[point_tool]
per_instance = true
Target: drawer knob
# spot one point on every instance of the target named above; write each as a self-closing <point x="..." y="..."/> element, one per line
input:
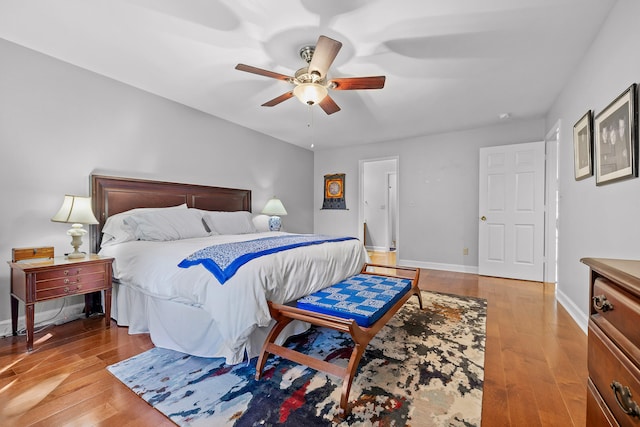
<point x="600" y="303"/>
<point x="623" y="397"/>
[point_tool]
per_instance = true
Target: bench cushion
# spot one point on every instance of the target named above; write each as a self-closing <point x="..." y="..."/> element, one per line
<point x="363" y="298"/>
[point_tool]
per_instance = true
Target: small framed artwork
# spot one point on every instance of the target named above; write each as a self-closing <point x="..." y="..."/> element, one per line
<point x="583" y="146"/>
<point x="616" y="139"/>
<point x="334" y="192"/>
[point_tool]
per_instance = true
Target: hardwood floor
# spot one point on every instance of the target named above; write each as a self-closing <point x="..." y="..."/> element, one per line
<point x="535" y="364"/>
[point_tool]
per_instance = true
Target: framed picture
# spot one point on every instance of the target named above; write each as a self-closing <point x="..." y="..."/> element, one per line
<point x="583" y="146"/>
<point x="334" y="192"/>
<point x="616" y="139"/>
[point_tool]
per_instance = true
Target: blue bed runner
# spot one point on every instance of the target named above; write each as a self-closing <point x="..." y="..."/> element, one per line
<point x="363" y="298"/>
<point x="225" y="259"/>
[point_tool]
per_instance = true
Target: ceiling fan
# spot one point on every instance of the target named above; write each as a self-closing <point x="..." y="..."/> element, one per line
<point x="311" y="82"/>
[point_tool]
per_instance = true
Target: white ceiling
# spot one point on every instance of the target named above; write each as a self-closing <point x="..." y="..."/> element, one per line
<point x="450" y="64"/>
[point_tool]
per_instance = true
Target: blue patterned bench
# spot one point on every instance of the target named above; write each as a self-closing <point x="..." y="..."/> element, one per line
<point x="360" y="306"/>
<point x="363" y="298"/>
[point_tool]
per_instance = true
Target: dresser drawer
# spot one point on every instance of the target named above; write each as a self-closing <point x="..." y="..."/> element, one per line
<point x="597" y="412"/>
<point x="608" y="366"/>
<point x="618" y="315"/>
<point x="68" y="271"/>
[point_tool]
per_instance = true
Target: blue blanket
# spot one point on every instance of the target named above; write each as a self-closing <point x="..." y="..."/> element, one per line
<point x="225" y="259"/>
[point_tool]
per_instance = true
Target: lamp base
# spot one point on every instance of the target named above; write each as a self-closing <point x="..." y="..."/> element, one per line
<point x="76" y="254"/>
<point x="275" y="223"/>
<point x="76" y="232"/>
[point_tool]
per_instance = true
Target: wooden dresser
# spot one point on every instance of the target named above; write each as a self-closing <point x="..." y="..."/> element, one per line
<point x="614" y="343"/>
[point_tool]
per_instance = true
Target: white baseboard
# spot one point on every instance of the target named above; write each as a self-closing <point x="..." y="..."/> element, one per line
<point x="438" y="266"/>
<point x="377" y="248"/>
<point x="574" y="311"/>
<point x="581" y="319"/>
<point x="68" y="313"/>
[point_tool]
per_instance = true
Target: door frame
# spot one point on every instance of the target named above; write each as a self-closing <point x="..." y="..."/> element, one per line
<point x="552" y="141"/>
<point x="392" y="231"/>
<point x="361" y="166"/>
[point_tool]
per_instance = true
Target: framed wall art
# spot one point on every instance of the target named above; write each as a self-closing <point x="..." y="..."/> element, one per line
<point x="334" y="192"/>
<point x="583" y="146"/>
<point x="616" y="139"/>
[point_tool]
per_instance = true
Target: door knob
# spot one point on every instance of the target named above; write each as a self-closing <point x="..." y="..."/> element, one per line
<point x="483" y="218"/>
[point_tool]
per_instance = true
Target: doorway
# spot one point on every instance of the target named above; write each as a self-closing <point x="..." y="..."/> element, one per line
<point x="378" y="210"/>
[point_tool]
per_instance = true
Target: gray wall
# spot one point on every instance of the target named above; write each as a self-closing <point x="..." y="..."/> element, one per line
<point x="59" y="123"/>
<point x="437" y="191"/>
<point x="596" y="221"/>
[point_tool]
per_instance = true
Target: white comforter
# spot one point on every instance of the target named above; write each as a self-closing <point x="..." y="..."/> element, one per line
<point x="238" y="306"/>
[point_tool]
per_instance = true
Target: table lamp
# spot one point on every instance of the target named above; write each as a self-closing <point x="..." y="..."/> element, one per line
<point x="275" y="209"/>
<point x="76" y="210"/>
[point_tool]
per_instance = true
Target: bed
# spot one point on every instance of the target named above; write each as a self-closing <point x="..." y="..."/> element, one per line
<point x="190" y="309"/>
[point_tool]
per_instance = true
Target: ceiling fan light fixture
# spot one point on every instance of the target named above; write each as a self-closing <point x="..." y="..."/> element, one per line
<point x="310" y="93"/>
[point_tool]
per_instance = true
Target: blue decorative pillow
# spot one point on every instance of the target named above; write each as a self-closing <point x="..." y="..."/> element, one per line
<point x="363" y="298"/>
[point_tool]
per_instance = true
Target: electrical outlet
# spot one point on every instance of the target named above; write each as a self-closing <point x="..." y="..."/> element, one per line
<point x="465" y="251"/>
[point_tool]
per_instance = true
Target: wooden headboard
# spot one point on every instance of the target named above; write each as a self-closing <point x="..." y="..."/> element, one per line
<point x="111" y="195"/>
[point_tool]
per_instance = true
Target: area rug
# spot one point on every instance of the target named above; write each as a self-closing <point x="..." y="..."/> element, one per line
<point x="424" y="368"/>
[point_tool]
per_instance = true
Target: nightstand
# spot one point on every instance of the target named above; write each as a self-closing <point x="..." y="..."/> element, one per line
<point x="43" y="280"/>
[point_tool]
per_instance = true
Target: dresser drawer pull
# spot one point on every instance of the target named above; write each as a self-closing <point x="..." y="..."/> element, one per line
<point x="600" y="303"/>
<point x="623" y="397"/>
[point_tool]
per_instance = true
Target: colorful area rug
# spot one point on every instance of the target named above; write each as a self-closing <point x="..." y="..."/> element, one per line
<point x="422" y="369"/>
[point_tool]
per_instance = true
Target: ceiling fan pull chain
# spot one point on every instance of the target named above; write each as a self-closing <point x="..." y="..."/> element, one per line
<point x="310" y="126"/>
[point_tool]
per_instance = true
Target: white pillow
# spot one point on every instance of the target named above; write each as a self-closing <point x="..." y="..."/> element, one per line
<point x="239" y="222"/>
<point x="116" y="231"/>
<point x="261" y="222"/>
<point x="170" y="224"/>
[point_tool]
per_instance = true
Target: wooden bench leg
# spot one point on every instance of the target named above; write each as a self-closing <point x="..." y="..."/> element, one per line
<point x="347" y="380"/>
<point x="281" y="323"/>
<point x="419" y="295"/>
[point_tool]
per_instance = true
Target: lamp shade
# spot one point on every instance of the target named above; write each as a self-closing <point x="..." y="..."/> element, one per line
<point x="274" y="207"/>
<point x="75" y="210"/>
<point x="310" y="93"/>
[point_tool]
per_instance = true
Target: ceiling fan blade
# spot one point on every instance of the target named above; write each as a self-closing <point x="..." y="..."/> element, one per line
<point x="261" y="72"/>
<point x="278" y="100"/>
<point x="354" y="83"/>
<point x="329" y="105"/>
<point x="325" y="52"/>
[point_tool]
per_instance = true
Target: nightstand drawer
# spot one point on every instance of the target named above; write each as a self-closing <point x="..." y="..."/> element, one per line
<point x="42" y="285"/>
<point x="72" y="288"/>
<point x="69" y="271"/>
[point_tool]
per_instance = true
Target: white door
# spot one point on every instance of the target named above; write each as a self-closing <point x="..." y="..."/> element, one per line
<point x="511" y="211"/>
